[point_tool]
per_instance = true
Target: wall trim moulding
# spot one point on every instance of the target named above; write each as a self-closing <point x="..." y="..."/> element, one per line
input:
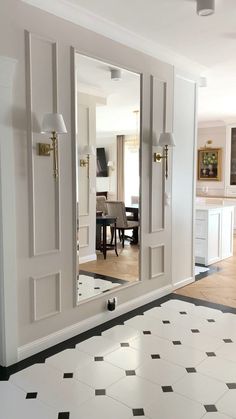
<point x="56" y="276"/>
<point x="29" y="109"/>
<point x="83" y="17"/>
<point x="88" y="258"/>
<point x="44" y="343"/>
<point x="86" y="243"/>
<point x="157" y="178"/>
<point x="161" y="272"/>
<point x="183" y="283"/>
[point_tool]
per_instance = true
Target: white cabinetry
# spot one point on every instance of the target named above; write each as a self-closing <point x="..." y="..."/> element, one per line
<point x="213" y="233"/>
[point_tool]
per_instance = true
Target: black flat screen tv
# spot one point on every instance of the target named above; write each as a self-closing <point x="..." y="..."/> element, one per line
<point x="101" y="163"/>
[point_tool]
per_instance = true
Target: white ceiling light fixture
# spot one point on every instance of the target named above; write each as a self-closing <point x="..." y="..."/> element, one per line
<point x="115" y="74"/>
<point x="205" y="7"/>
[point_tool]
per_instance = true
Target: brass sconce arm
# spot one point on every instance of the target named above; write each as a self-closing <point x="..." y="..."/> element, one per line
<point x="45" y="150"/>
<point x="158" y="158"/>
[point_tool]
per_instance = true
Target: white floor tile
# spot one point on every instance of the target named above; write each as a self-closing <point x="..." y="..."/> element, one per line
<point x="184" y="356"/>
<point x="102" y="407"/>
<point x="218" y="368"/>
<point x="69" y="360"/>
<point x="52" y="388"/>
<point x="97" y="346"/>
<point x="151" y="344"/>
<point x="144" y="323"/>
<point x="200" y="388"/>
<point x="202" y="341"/>
<point x="134" y="392"/>
<point x="207" y="312"/>
<point x="227" y="404"/>
<point x="179" y="305"/>
<point x="14" y="405"/>
<point x="121" y="333"/>
<point x="161" y="372"/>
<point x="227" y="351"/>
<point x="126" y="358"/>
<point x="99" y="375"/>
<point x="174" y="406"/>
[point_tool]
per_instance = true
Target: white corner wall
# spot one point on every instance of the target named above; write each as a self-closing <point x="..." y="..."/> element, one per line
<point x="183" y="180"/>
<point x="8" y="260"/>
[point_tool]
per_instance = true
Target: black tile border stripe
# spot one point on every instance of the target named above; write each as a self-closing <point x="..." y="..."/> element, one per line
<point x="5" y="372"/>
<point x="106" y="278"/>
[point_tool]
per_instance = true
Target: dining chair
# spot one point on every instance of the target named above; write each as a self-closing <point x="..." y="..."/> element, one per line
<point x="117" y="209"/>
<point x="101" y="205"/>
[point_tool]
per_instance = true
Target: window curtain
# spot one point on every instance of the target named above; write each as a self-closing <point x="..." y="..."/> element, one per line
<point x="120" y="139"/>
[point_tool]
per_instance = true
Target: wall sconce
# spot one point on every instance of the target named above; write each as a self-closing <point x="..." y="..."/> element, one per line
<point x="166" y="140"/>
<point x="88" y="151"/>
<point x="53" y="123"/>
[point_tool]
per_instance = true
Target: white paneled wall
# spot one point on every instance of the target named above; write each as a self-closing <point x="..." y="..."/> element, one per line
<point x="183" y="180"/>
<point x="8" y="265"/>
<point x="44" y="254"/>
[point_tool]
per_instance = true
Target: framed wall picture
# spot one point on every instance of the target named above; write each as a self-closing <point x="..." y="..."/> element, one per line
<point x="209" y="164"/>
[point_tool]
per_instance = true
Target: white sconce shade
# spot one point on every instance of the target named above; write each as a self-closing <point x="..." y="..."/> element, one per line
<point x="53" y="122"/>
<point x="110" y="163"/>
<point x="166" y="139"/>
<point x="205" y="7"/>
<point x="89" y="150"/>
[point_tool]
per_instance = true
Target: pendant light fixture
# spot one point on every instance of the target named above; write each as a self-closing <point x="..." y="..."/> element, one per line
<point x="205" y="7"/>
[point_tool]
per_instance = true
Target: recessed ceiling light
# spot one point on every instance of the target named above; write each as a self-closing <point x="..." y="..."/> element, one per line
<point x="115" y="74"/>
<point x="205" y="7"/>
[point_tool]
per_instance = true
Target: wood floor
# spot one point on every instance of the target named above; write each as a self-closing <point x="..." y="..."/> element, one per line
<point x="125" y="266"/>
<point x="219" y="287"/>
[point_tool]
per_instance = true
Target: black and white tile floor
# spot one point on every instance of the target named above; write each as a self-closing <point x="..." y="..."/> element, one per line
<point x="89" y="286"/>
<point x="176" y="361"/>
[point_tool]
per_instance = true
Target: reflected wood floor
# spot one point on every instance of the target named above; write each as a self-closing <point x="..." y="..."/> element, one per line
<point x="219" y="287"/>
<point x="125" y="266"/>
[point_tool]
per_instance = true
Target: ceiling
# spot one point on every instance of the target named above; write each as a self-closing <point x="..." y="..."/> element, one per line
<point x="171" y="28"/>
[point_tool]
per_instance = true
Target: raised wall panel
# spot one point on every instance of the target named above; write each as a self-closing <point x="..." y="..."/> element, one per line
<point x="44" y="200"/>
<point x="83" y="236"/>
<point x="158" y="116"/>
<point x="83" y="126"/>
<point x="157" y="257"/>
<point x="46" y="296"/>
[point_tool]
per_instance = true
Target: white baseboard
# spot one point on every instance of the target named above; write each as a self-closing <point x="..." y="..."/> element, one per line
<point x="89" y="258"/>
<point x="61" y="335"/>
<point x="183" y="283"/>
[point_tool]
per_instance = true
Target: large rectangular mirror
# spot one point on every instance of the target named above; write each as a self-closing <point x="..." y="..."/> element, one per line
<point x="108" y="176"/>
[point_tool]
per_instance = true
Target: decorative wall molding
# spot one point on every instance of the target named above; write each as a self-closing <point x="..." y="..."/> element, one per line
<point x="158" y="125"/>
<point x="83" y="17"/>
<point x="86" y="242"/>
<point x="56" y="276"/>
<point x="157" y="260"/>
<point x="47" y="341"/>
<point x="29" y="39"/>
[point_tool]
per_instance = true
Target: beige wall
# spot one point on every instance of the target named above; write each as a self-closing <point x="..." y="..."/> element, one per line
<point x="53" y="273"/>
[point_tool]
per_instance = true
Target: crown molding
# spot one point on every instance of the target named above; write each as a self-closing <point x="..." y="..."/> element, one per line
<point x="82" y="17"/>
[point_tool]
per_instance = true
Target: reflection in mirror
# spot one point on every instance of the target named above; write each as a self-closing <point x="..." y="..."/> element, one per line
<point x="108" y="173"/>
